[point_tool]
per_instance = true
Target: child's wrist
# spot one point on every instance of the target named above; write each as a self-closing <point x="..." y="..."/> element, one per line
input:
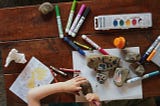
<point x="63" y="86"/>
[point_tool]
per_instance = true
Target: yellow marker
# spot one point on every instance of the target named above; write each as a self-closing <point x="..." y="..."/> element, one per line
<point x="153" y="52"/>
<point x="82" y="45"/>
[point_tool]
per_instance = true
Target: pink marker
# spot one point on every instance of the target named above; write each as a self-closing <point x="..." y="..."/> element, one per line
<point x="77" y="19"/>
<point x="94" y="45"/>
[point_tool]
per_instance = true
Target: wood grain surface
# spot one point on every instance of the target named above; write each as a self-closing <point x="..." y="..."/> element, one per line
<point x="25" y="29"/>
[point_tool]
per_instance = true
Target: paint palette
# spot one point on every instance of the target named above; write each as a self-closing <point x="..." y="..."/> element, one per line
<point x="123" y="21"/>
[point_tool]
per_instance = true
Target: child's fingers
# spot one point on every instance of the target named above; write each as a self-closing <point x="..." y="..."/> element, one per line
<point x="80" y="78"/>
<point x="81" y="81"/>
<point x="78" y="88"/>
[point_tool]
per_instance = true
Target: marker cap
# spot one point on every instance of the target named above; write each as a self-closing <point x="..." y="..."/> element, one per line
<point x="82" y="9"/>
<point x="86" y="11"/>
<point x="73" y="34"/>
<point x="73" y="5"/>
<point x="57" y="10"/>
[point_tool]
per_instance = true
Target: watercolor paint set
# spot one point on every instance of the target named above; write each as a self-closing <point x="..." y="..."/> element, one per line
<point x="123" y="21"/>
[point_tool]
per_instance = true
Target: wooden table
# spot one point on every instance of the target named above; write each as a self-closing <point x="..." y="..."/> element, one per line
<point x="25" y="29"/>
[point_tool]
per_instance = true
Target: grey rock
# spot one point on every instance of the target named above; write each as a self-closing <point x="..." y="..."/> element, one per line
<point x="120" y="75"/>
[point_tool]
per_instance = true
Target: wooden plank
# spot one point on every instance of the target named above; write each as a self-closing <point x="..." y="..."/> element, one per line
<point x="26" y="30"/>
<point x="54" y="51"/>
<point x="27" y="22"/>
<point x="15" y="100"/>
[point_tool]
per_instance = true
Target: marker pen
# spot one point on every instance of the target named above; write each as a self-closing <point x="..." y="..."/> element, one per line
<point x="74" y="46"/>
<point x="153" y="52"/>
<point x="58" y="71"/>
<point x="150" y="49"/>
<point x="94" y="44"/>
<point x="59" y="23"/>
<point x="82" y="45"/>
<point x="77" y="19"/>
<point x="143" y="77"/>
<point x="151" y="74"/>
<point x="71" y="14"/>
<point x="76" y="29"/>
<point x="133" y="79"/>
<point x="69" y="70"/>
<point x="54" y="76"/>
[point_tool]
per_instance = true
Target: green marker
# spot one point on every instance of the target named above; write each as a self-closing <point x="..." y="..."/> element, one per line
<point x="71" y="14"/>
<point x="59" y="23"/>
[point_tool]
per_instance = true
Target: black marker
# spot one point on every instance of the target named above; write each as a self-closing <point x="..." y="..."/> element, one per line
<point x="87" y="10"/>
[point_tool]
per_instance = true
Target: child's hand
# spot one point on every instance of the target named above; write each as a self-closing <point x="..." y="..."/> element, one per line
<point x="93" y="98"/>
<point x="73" y="85"/>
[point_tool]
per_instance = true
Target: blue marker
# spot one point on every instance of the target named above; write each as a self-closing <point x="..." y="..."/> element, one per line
<point x="74" y="46"/>
<point x="143" y="77"/>
<point x="150" y="49"/>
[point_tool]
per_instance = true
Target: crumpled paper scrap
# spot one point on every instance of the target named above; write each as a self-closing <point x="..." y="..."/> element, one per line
<point x="17" y="57"/>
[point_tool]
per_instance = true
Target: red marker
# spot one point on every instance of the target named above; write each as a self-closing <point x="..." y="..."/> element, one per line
<point x="94" y="45"/>
<point x="69" y="70"/>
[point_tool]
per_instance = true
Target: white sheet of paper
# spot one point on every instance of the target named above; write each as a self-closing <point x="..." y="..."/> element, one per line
<point x="108" y="90"/>
<point x="34" y="74"/>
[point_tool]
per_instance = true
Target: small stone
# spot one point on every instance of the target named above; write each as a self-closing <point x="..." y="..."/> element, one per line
<point x="103" y="63"/>
<point x="120" y="76"/>
<point x="86" y="88"/>
<point x="137" y="68"/>
<point x="130" y="56"/>
<point x="46" y="8"/>
<point x="101" y="77"/>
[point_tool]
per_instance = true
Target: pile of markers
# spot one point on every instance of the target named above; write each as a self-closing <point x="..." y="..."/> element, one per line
<point x="149" y="54"/>
<point x="72" y="28"/>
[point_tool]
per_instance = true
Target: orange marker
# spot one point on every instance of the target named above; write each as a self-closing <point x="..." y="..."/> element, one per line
<point x="153" y="52"/>
<point x="119" y="42"/>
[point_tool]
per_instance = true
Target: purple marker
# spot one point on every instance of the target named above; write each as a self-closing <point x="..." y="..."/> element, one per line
<point x="77" y="19"/>
<point x="80" y="22"/>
